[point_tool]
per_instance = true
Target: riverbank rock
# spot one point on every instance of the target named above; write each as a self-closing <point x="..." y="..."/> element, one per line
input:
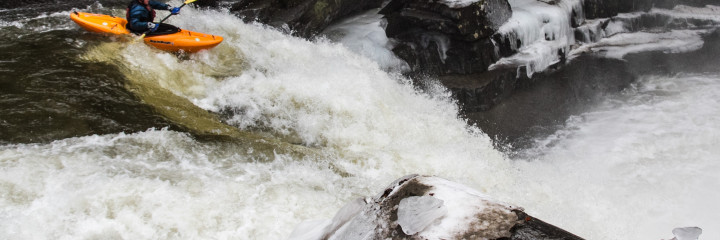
<point x="446" y="37"/>
<point x="423" y="207"/>
<point x="610" y="8"/>
<point x="303" y="18"/>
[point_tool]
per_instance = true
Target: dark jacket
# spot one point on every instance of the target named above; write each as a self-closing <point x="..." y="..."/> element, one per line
<point x="138" y="14"/>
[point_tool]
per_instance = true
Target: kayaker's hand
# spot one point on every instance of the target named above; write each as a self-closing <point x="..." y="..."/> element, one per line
<point x="175" y="11"/>
<point x="152" y="27"/>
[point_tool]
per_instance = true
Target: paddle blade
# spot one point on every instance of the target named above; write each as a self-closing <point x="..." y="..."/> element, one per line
<point x="189" y="1"/>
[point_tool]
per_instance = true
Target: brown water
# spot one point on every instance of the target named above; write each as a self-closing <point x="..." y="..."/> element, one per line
<point x="47" y="92"/>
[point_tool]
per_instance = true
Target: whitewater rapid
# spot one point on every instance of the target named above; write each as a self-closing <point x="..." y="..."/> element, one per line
<point x="635" y="167"/>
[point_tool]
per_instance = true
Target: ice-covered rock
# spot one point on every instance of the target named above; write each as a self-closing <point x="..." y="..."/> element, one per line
<point x="423" y="207"/>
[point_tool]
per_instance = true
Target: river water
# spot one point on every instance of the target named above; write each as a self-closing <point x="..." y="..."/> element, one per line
<point x="106" y="138"/>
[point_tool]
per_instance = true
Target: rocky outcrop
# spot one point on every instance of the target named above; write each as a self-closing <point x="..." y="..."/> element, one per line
<point x="423" y="207"/>
<point x="444" y="37"/>
<point x="610" y="8"/>
<point x="523" y="108"/>
<point x="303" y="18"/>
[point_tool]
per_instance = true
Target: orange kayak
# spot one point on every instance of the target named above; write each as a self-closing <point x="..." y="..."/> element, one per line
<point x="186" y="41"/>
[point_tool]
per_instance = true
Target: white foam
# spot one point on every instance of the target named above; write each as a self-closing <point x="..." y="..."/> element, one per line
<point x="639" y="165"/>
<point x="370" y="125"/>
<point x="365" y="34"/>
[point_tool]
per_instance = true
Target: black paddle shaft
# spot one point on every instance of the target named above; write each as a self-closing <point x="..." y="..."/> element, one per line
<point x="166" y="17"/>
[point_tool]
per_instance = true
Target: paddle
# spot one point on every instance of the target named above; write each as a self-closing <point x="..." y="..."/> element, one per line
<point x="161" y="21"/>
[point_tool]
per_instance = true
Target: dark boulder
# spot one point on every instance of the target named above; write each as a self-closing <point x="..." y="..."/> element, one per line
<point x="303" y="18"/>
<point x="423" y="207"/>
<point x="609" y="8"/>
<point x="440" y="37"/>
<point x="206" y="3"/>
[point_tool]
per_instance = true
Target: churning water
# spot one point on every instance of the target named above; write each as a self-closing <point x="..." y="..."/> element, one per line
<point x="634" y="167"/>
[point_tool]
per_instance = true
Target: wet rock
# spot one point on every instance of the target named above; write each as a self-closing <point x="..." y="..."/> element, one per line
<point x="694" y="3"/>
<point x="303" y="18"/>
<point x="444" y="37"/>
<point x="423" y="207"/>
<point x="610" y="8"/>
<point x="22" y="3"/>
<point x="523" y="108"/>
<point x="206" y="3"/>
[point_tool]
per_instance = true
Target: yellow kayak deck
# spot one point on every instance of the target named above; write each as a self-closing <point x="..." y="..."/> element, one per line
<point x="184" y="40"/>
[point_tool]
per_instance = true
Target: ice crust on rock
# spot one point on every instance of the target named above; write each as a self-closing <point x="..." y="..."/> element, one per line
<point x="687" y="233"/>
<point x="417" y="213"/>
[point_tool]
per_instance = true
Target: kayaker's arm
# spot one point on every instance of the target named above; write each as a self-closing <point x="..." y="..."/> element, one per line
<point x="159" y="5"/>
<point x="163" y="6"/>
<point x="135" y="22"/>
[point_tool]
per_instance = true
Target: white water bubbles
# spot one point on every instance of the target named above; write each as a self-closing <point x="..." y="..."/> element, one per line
<point x="641" y="164"/>
<point x="365" y="34"/>
<point x="368" y="125"/>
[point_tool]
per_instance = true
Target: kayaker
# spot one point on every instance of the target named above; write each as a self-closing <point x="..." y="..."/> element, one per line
<point x="141" y="13"/>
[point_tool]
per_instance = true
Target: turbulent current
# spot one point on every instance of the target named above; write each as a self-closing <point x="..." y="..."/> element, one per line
<point x="108" y="138"/>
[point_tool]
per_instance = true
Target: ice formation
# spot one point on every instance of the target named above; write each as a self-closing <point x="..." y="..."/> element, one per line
<point x="543" y="31"/>
<point x="545" y="35"/>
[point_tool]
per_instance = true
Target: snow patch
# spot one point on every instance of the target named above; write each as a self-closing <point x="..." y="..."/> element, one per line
<point x="417" y="213"/>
